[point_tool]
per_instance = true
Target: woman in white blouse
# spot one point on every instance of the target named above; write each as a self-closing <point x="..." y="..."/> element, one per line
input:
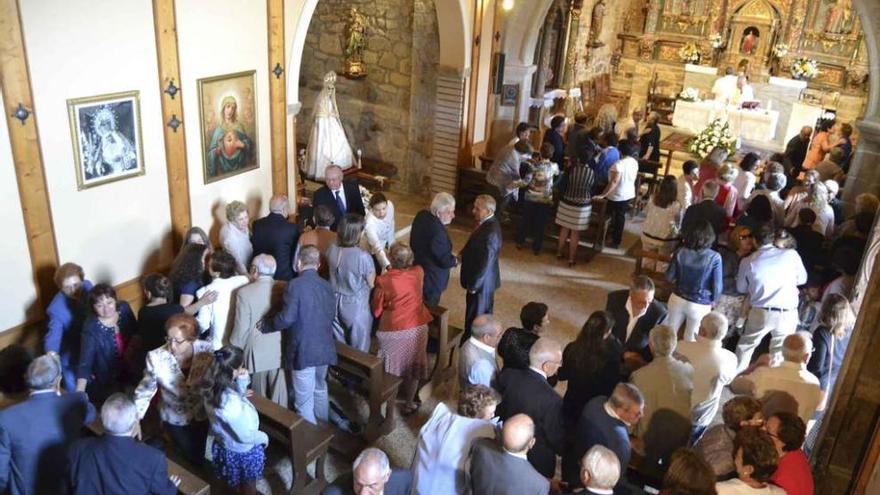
<point x="379" y="229"/>
<point x="235" y="236"/>
<point x="174" y="368"/>
<point x="663" y="221"/>
<point x="216" y="319"/>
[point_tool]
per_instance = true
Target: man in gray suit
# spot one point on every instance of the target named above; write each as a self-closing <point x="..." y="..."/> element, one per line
<point x="476" y="361"/>
<point x="262" y="352"/>
<point x="504" y="469"/>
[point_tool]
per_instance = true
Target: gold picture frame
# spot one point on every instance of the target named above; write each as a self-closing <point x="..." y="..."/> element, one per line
<point x="229" y="143"/>
<point x="105" y="131"/>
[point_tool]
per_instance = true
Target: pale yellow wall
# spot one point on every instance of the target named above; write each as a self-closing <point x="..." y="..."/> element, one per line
<point x="79" y="48"/>
<point x="17" y="290"/>
<point x="223" y="39"/>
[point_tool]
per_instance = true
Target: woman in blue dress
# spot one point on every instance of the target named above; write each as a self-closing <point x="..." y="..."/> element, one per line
<point x="230" y="148"/>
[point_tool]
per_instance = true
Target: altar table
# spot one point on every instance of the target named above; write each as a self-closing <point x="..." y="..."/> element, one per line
<point x="754" y="125"/>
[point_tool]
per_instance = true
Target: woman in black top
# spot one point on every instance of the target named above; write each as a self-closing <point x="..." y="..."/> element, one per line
<point x="516" y="343"/>
<point x="160" y="306"/>
<point x="591" y="364"/>
<point x="649" y="139"/>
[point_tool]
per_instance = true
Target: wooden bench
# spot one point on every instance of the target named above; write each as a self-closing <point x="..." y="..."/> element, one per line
<point x="663" y="288"/>
<point x="190" y="484"/>
<point x="447" y="342"/>
<point x="599" y="223"/>
<point x="649" y="174"/>
<point x="305" y="442"/>
<point x="377" y="386"/>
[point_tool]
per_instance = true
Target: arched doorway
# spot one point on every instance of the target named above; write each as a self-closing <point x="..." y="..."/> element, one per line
<point x="452" y="69"/>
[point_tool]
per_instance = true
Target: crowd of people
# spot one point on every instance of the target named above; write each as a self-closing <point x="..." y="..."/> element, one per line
<point x="761" y="264"/>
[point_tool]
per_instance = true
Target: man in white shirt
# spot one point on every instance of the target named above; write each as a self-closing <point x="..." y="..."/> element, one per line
<point x="725" y="87"/>
<point x="476" y="360"/>
<point x="621" y="190"/>
<point x="770" y="276"/>
<point x="790" y="377"/>
<point x="379" y="229"/>
<point x="714" y="367"/>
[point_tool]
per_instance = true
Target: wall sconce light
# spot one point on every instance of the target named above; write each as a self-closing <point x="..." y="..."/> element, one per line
<point x="507" y="5"/>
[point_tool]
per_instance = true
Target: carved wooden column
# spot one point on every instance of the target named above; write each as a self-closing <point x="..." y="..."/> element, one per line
<point x="571" y="39"/>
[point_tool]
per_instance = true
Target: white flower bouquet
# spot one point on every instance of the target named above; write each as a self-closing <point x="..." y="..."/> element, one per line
<point x="689" y="94"/>
<point x="689" y="53"/>
<point x="716" y="135"/>
<point x="716" y="41"/>
<point x="804" y="68"/>
<point x="780" y="50"/>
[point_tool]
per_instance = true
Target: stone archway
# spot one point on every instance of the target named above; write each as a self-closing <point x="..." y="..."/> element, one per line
<point x="453" y="69"/>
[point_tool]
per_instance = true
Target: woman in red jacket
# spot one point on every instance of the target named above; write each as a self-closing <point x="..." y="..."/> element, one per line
<point x="403" y="322"/>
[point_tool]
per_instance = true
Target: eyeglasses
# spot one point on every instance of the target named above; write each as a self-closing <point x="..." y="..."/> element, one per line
<point x="178" y="342"/>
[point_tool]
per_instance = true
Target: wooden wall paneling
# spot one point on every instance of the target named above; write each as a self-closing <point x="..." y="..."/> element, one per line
<point x="27" y="157"/>
<point x="172" y="110"/>
<point x="277" y="95"/>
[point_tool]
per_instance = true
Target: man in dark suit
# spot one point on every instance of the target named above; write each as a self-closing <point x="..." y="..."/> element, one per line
<point x="706" y="210"/>
<point x="307" y="317"/>
<point x="604" y="421"/>
<point x="432" y="249"/>
<point x="480" y="275"/>
<point x="636" y="303"/>
<point x="503" y="469"/>
<point x="526" y="391"/>
<point x="35" y="434"/>
<point x="372" y="470"/>
<point x="275" y="236"/>
<point x="796" y="151"/>
<point x="116" y="462"/>
<point x="342" y="197"/>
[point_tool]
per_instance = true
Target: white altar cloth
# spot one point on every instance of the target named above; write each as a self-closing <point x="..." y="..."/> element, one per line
<point x="754" y="125"/>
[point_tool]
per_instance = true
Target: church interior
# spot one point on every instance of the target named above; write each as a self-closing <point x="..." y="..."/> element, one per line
<point x="109" y="161"/>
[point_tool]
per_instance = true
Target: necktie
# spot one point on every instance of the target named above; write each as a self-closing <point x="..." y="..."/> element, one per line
<point x="339" y="202"/>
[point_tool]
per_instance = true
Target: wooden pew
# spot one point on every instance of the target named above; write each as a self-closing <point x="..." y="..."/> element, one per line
<point x="306" y="442"/>
<point x="190" y="484"/>
<point x="447" y="342"/>
<point x="377" y="386"/>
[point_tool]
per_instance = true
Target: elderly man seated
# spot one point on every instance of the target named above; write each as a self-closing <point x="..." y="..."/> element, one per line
<point x="600" y="471"/>
<point x="791" y="376"/>
<point x="372" y="473"/>
<point x="116" y="462"/>
<point x="34" y="434"/>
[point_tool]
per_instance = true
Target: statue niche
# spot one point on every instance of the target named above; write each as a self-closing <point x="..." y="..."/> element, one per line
<point x="751" y="28"/>
<point x="835" y="17"/>
<point x="749" y="43"/>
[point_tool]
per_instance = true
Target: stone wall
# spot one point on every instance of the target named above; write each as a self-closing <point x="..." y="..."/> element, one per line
<point x="389" y="113"/>
<point x="592" y="62"/>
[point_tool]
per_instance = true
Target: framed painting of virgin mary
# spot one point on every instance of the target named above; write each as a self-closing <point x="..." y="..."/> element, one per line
<point x="228" y="115"/>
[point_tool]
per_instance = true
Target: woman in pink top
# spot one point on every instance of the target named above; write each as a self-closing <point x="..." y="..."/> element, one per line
<point x="820" y="145"/>
<point x="793" y="474"/>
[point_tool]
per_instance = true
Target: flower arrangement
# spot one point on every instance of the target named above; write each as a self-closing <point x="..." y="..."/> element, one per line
<point x="689" y="94"/>
<point x="780" y="50"/>
<point x="715" y="135"/>
<point x="804" y="68"/>
<point x="689" y="53"/>
<point x="716" y="41"/>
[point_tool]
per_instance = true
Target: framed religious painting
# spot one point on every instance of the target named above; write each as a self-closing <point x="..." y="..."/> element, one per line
<point x="509" y="94"/>
<point x="106" y="134"/>
<point x="228" y="115"/>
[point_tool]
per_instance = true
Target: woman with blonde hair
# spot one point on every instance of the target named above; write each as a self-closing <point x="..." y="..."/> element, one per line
<point x="235" y="236"/>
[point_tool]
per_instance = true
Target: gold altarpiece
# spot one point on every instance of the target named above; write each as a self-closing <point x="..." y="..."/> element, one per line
<point x="653" y="31"/>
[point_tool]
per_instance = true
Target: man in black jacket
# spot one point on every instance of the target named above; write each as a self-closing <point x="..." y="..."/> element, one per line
<point x="796" y="151"/>
<point x="480" y="274"/>
<point x="705" y="210"/>
<point x="527" y="391"/>
<point x="275" y="236"/>
<point x="342" y="197"/>
<point x="636" y="303"/>
<point x="432" y="249"/>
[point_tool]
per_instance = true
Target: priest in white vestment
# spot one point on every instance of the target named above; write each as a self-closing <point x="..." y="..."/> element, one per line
<point x="327" y="142"/>
<point x="744" y="91"/>
<point x="724" y="88"/>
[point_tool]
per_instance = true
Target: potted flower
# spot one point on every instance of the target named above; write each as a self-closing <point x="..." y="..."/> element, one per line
<point x="803" y="68"/>
<point x="716" y="135"/>
<point x="780" y="50"/>
<point x="689" y="53"/>
<point x="689" y="94"/>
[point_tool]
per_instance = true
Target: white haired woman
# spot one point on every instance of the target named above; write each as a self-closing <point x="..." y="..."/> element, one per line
<point x="235" y="236"/>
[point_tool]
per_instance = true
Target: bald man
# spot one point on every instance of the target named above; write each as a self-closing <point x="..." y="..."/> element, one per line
<point x="372" y="474"/>
<point x="275" y="236"/>
<point x="504" y="469"/>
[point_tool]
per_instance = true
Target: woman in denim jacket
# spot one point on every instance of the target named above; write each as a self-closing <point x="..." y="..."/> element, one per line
<point x="697" y="274"/>
<point x="238" y="449"/>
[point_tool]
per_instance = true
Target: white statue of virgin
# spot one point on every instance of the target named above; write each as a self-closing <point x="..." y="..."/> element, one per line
<point x="327" y="142"/>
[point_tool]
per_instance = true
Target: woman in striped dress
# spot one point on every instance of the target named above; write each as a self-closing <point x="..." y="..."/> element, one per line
<point x="573" y="214"/>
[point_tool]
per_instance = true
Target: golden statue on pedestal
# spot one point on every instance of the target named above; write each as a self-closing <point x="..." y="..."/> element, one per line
<point x="356" y="42"/>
